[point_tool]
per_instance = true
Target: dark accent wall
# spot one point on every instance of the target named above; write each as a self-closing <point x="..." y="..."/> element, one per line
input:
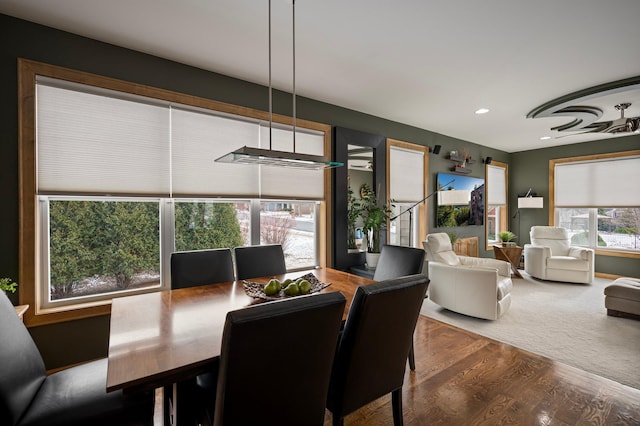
<point x="530" y="169"/>
<point x="75" y="341"/>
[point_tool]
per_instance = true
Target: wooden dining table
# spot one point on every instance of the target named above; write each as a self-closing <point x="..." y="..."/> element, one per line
<point x="161" y="338"/>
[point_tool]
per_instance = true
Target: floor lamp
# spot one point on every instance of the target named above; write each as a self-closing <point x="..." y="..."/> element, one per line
<point x="410" y="211"/>
<point x="529" y="201"/>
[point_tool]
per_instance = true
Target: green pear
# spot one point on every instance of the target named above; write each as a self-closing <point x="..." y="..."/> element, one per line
<point x="305" y="287"/>
<point x="292" y="290"/>
<point x="272" y="287"/>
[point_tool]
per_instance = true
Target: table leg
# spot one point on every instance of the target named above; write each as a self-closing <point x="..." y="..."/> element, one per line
<point x="514" y="268"/>
<point x="503" y="254"/>
<point x="179" y="407"/>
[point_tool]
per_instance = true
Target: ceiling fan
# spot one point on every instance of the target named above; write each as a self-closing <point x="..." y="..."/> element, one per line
<point x="622" y="124"/>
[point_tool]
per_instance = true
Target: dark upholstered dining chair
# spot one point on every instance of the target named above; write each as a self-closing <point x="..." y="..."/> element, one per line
<point x="398" y="261"/>
<point x="190" y="269"/>
<point x="200" y="267"/>
<point x="372" y="353"/>
<point x="259" y="261"/>
<point x="75" y="396"/>
<point x="275" y="361"/>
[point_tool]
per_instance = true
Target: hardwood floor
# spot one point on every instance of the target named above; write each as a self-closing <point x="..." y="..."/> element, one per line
<point x="462" y="378"/>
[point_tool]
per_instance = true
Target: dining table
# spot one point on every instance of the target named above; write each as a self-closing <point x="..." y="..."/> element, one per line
<point x="165" y="337"/>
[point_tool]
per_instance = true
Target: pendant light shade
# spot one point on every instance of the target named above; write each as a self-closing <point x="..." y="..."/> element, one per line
<point x="270" y="157"/>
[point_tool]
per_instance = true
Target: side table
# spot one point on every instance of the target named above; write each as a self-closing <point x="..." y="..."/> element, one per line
<point x="509" y="254"/>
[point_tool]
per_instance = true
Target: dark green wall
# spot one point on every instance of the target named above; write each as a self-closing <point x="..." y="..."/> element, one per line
<point x="88" y="337"/>
<point x="530" y="169"/>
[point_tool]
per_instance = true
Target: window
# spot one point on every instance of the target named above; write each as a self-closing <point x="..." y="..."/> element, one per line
<point x="595" y="198"/>
<point x="407" y="166"/>
<point x="615" y="228"/>
<point x="122" y="178"/>
<point x="98" y="247"/>
<point x="293" y="225"/>
<point x="497" y="211"/>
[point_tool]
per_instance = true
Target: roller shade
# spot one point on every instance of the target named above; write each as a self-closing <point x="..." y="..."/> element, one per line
<point x="91" y="143"/>
<point x="97" y="141"/>
<point x="288" y="182"/>
<point x="601" y="183"/>
<point x="496" y="186"/>
<point x="406" y="174"/>
<point x="197" y="140"/>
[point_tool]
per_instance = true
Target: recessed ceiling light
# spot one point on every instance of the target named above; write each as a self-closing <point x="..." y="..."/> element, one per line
<point x="544" y="138"/>
<point x="482" y="111"/>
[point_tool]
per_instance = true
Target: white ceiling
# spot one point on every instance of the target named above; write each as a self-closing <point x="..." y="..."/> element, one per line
<point x="425" y="63"/>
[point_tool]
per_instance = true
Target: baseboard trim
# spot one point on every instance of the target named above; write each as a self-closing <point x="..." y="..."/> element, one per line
<point x="608" y="276"/>
<point x="620" y="314"/>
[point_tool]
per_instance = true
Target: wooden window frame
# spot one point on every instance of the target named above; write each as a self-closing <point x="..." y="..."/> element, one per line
<point x="504" y="211"/>
<point x="552" y="186"/>
<point x="28" y="238"/>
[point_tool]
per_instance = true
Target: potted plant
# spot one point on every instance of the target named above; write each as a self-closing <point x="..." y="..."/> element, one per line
<point x="8" y="285"/>
<point x="374" y="217"/>
<point x="508" y="238"/>
<point x="353" y="213"/>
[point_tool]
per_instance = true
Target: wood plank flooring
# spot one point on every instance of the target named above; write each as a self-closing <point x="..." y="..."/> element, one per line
<point x="462" y="378"/>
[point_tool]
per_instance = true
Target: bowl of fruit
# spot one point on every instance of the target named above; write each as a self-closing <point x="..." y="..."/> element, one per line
<point x="276" y="289"/>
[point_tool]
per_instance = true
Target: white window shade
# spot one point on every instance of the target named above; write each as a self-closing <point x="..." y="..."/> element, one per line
<point x="197" y="140"/>
<point x="90" y="143"/>
<point x="602" y="183"/>
<point x="406" y="174"/>
<point x="496" y="186"/>
<point x="97" y="141"/>
<point x="289" y="182"/>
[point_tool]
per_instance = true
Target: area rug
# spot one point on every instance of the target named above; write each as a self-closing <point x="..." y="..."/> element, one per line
<point x="565" y="322"/>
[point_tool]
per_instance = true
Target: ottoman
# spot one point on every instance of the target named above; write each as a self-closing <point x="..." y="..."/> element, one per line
<point x="622" y="298"/>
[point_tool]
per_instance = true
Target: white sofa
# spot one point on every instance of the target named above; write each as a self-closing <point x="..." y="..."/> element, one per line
<point x="474" y="286"/>
<point x="550" y="256"/>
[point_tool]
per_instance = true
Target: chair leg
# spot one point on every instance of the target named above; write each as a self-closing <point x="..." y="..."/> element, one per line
<point x="338" y="420"/>
<point x="396" y="401"/>
<point x="412" y="359"/>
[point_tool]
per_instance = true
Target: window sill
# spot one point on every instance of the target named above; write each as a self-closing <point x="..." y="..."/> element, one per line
<point x="38" y="317"/>
<point x="617" y="253"/>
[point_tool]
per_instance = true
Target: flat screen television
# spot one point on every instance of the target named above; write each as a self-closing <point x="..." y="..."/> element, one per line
<point x="460" y="200"/>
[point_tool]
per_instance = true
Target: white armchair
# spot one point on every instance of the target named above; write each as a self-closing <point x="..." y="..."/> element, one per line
<point x="474" y="286"/>
<point x="550" y="256"/>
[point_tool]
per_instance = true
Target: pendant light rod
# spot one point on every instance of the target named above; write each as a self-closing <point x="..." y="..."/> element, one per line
<point x="293" y="20"/>
<point x="269" y="157"/>
<point x="270" y="88"/>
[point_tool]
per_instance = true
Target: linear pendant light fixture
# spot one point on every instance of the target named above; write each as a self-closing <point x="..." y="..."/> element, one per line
<point x="269" y="157"/>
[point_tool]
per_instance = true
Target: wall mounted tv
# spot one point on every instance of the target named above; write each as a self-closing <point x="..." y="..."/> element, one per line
<point x="460" y="200"/>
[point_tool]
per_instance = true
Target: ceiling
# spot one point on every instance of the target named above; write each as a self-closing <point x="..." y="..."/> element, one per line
<point x="424" y="63"/>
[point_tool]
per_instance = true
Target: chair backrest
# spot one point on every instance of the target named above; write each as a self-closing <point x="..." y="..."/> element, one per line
<point x="259" y="261"/>
<point x="439" y="249"/>
<point x="200" y="267"/>
<point x="397" y="261"/>
<point x="22" y="370"/>
<point x="556" y="238"/>
<point x="276" y="359"/>
<point x="372" y="353"/>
